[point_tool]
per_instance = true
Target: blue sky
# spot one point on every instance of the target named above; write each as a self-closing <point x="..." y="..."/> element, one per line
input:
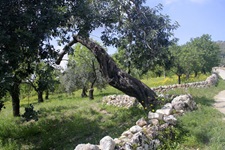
<point x="195" y="17"/>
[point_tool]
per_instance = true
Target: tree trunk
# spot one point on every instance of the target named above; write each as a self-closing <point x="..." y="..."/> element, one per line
<point x="40" y="97"/>
<point x="84" y="90"/>
<point x="196" y="73"/>
<point x="15" y="94"/>
<point x="179" y="79"/>
<point x="91" y="93"/>
<point x="46" y="95"/>
<point x="129" y="67"/>
<point x="115" y="76"/>
<point x="91" y="90"/>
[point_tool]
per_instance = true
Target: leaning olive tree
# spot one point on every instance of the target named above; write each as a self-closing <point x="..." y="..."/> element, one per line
<point x="142" y="31"/>
<point x="28" y="27"/>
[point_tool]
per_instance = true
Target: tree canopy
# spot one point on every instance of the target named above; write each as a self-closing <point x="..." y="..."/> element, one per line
<point x="27" y="27"/>
<point x="82" y="72"/>
<point x="200" y="54"/>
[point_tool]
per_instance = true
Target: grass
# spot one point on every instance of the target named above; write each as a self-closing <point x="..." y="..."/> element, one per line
<point x="68" y="120"/>
<point x="204" y="128"/>
<point x="65" y="121"/>
<point x="159" y="81"/>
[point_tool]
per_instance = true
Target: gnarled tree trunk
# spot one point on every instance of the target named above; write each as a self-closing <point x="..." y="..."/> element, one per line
<point x="84" y="90"/>
<point x="40" y="96"/>
<point x="115" y="76"/>
<point x="15" y="94"/>
<point x="46" y="94"/>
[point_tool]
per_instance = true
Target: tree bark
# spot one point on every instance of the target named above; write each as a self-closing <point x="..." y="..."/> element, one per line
<point x="196" y="73"/>
<point x="40" y="97"/>
<point x="115" y="76"/>
<point x="91" y="90"/>
<point x="84" y="90"/>
<point x="91" y="94"/>
<point x="15" y="94"/>
<point x="179" y="79"/>
<point x="46" y="94"/>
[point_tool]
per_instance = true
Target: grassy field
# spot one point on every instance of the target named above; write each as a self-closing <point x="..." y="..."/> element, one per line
<point x="65" y="121"/>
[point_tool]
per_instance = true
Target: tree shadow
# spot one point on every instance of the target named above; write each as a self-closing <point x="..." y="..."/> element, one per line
<point x="65" y="131"/>
<point x="204" y="100"/>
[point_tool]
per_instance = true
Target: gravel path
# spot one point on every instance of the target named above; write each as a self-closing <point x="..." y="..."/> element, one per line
<point x="220" y="97"/>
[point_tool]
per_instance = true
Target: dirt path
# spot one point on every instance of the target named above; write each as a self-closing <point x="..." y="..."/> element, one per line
<point x="220" y="97"/>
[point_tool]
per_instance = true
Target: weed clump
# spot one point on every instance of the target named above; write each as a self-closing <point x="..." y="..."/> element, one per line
<point x="30" y="113"/>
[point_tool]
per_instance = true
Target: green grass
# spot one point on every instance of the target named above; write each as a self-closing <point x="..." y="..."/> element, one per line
<point x="67" y="120"/>
<point x="159" y="81"/>
<point x="205" y="127"/>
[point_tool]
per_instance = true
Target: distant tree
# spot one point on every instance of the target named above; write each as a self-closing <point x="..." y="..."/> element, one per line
<point x="177" y="59"/>
<point x="208" y="52"/>
<point x="124" y="62"/>
<point x="43" y="79"/>
<point x="222" y="51"/>
<point x="83" y="72"/>
<point x="25" y="30"/>
<point x="198" y="55"/>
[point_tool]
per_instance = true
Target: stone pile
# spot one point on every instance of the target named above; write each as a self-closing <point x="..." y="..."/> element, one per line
<point x="211" y="80"/>
<point x="120" y="101"/>
<point x="143" y="135"/>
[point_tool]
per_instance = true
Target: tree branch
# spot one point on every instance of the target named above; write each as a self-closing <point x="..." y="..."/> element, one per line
<point x="65" y="50"/>
<point x="115" y="76"/>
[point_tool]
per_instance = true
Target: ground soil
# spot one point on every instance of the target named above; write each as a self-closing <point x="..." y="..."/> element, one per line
<point x="220" y="97"/>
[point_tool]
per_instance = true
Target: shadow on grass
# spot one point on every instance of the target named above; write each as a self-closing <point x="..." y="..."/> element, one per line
<point x="204" y="100"/>
<point x="65" y="131"/>
<point x="56" y="109"/>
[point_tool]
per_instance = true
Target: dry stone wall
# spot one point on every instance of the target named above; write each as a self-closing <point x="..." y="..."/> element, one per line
<point x="211" y="80"/>
<point x="127" y="101"/>
<point x="143" y="135"/>
<point x="120" y="101"/>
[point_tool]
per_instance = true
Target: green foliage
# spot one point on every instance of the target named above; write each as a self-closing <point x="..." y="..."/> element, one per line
<point x="43" y="78"/>
<point x="207" y="51"/>
<point x="160" y="81"/>
<point x="124" y="62"/>
<point x="202" y="128"/>
<point x="142" y="32"/>
<point x="65" y="122"/>
<point x="171" y="137"/>
<point x="198" y="55"/>
<point x="1" y="105"/>
<point x="30" y="113"/>
<point x="83" y="71"/>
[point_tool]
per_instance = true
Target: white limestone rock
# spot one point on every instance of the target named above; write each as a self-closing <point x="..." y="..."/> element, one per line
<point x="107" y="143"/>
<point x="184" y="102"/>
<point x="135" y="129"/>
<point x="141" y="122"/>
<point x="154" y="121"/>
<point x="166" y="111"/>
<point x="152" y="115"/>
<point x="170" y="119"/>
<point x="86" y="147"/>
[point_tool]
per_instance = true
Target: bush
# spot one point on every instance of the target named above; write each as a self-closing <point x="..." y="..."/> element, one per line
<point x="2" y="105"/>
<point x="30" y="113"/>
